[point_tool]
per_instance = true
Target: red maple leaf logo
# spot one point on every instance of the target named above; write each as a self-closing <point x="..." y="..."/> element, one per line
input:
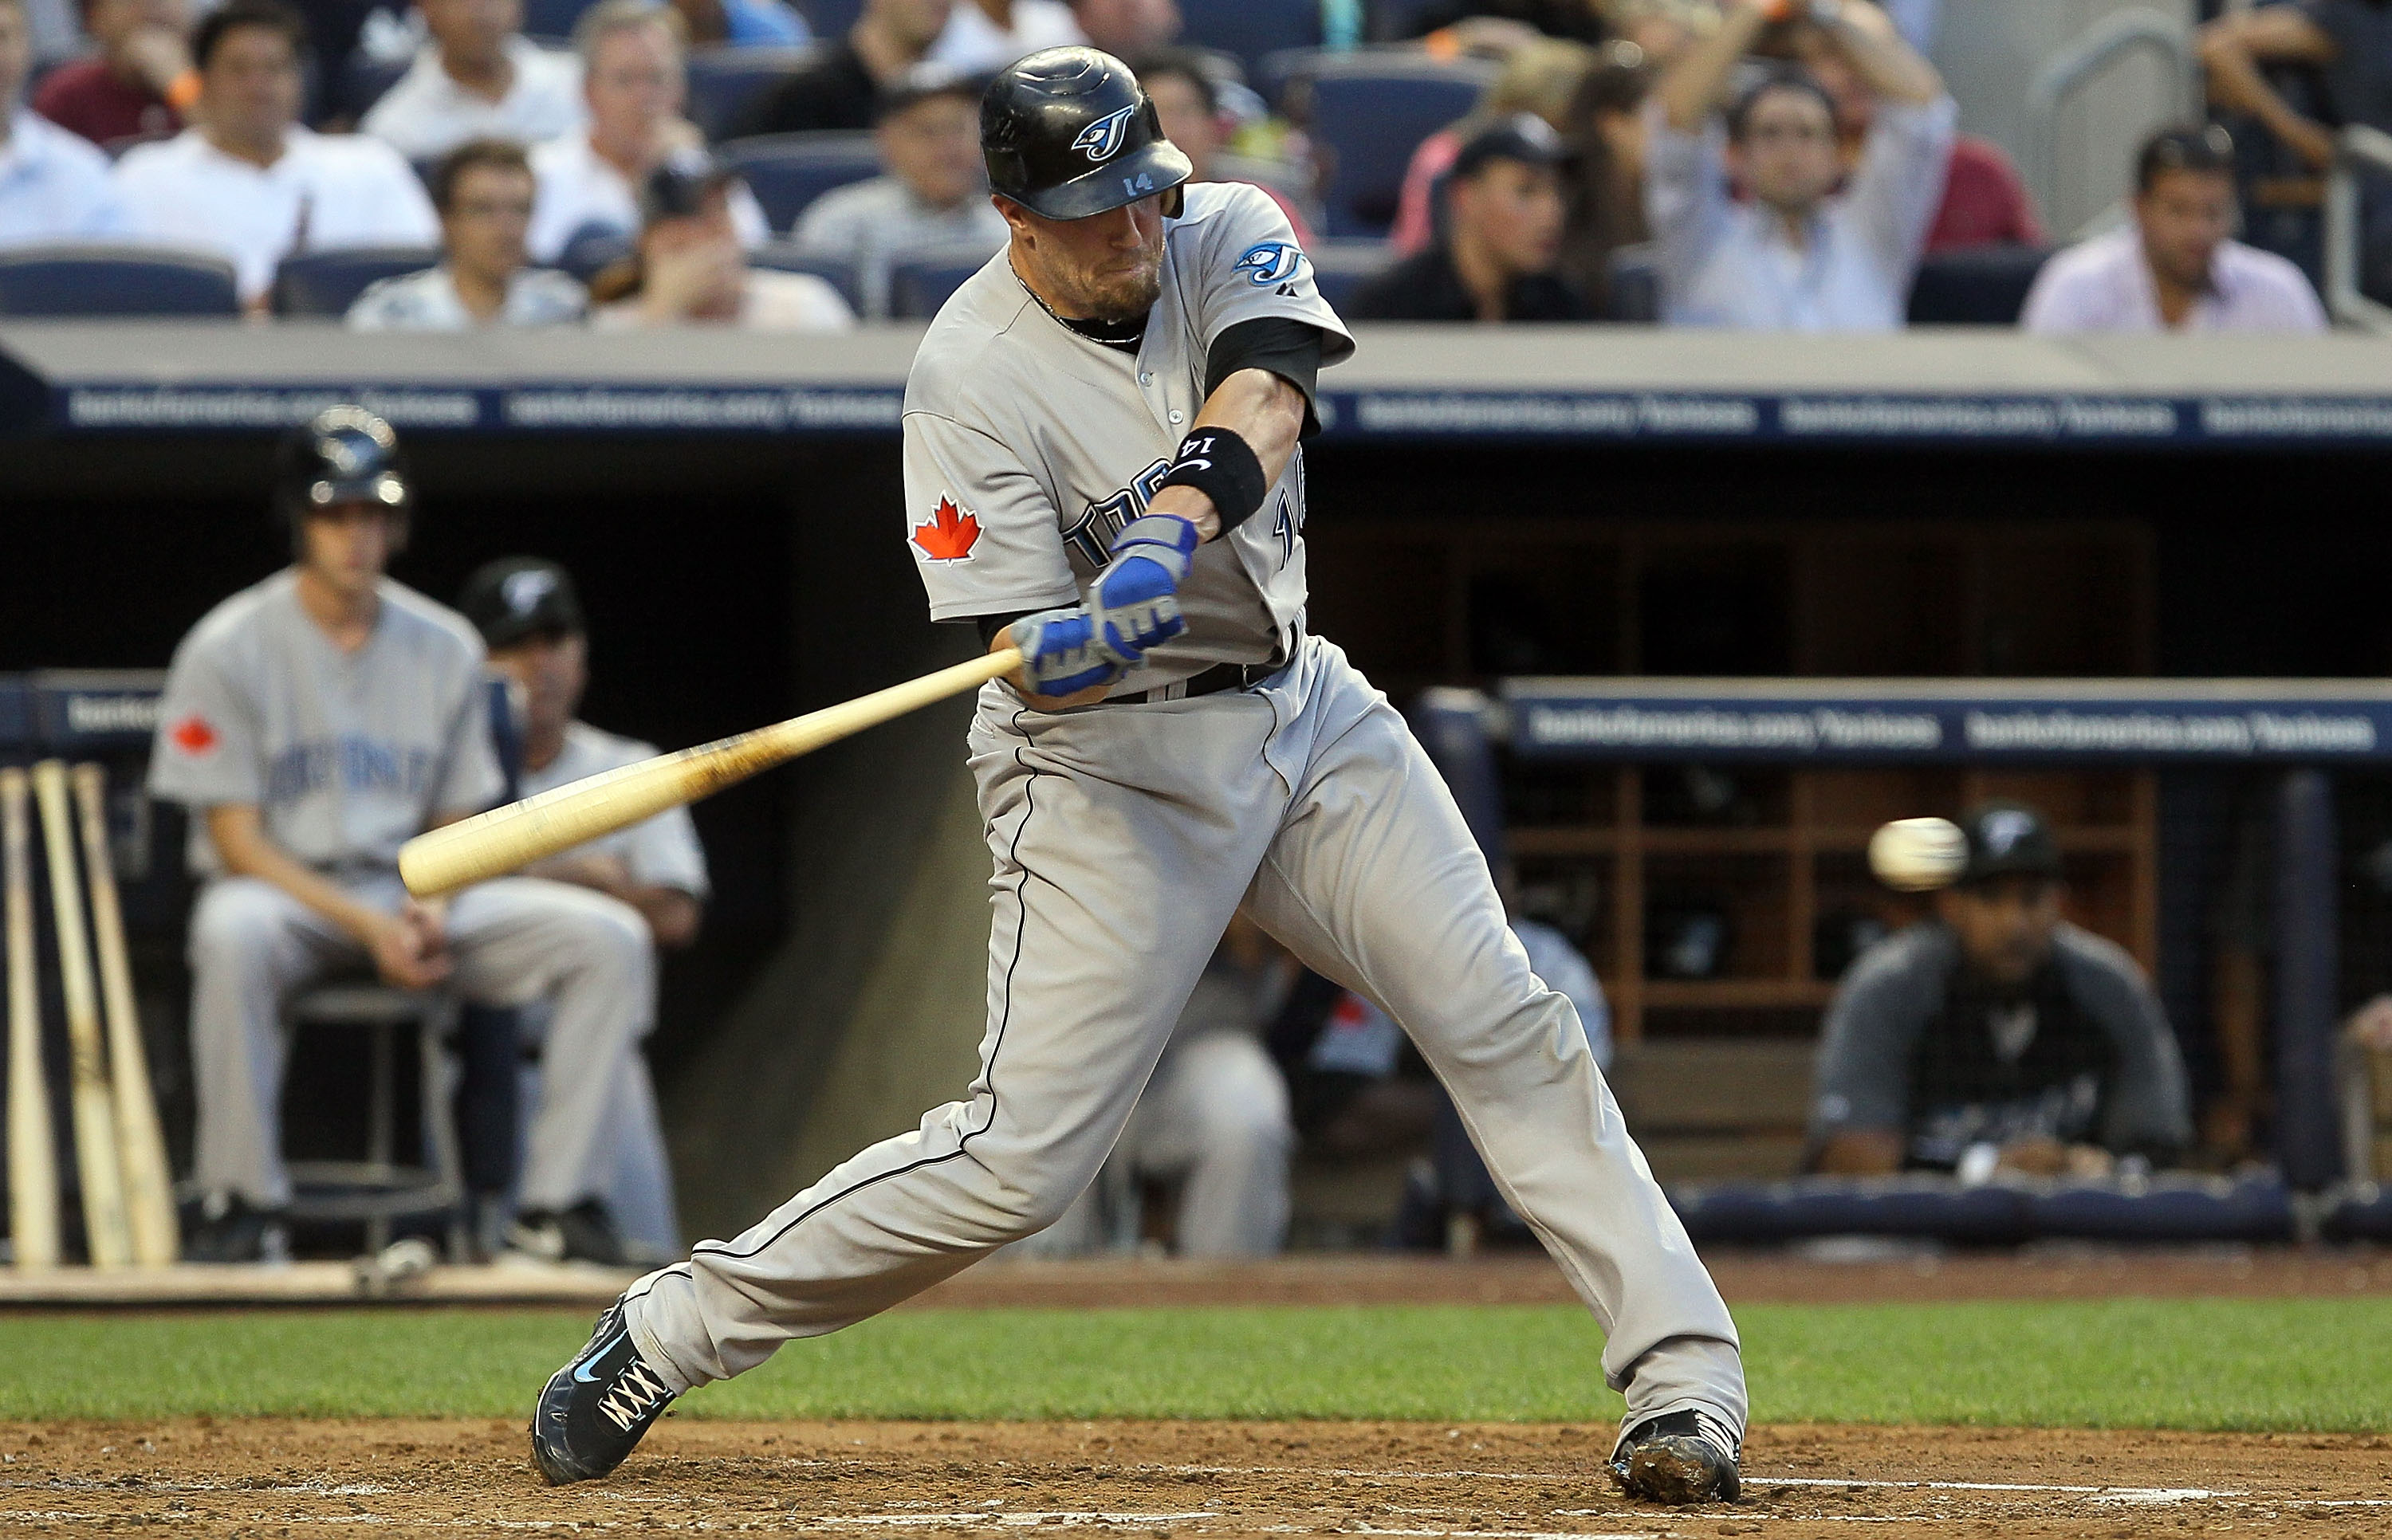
<point x="193" y="735"/>
<point x="949" y="535"/>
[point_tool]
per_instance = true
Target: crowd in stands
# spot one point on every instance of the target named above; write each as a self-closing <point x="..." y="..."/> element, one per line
<point x="1757" y="164"/>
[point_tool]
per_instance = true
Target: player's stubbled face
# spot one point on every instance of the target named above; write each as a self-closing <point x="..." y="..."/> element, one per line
<point x="1105" y="267"/>
<point x="2004" y="925"/>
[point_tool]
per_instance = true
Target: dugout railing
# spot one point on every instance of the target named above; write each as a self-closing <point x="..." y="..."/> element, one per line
<point x="1577" y="788"/>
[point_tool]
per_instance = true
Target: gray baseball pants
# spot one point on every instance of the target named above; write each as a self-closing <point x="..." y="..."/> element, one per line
<point x="1125" y="837"/>
<point x="519" y="939"/>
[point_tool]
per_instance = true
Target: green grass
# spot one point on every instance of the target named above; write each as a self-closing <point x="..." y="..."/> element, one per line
<point x="2261" y="1365"/>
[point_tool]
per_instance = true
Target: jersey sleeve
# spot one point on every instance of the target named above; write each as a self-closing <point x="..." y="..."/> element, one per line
<point x="665" y="853"/>
<point x="981" y="530"/>
<point x="2149" y="1105"/>
<point x="1251" y="267"/>
<point x="470" y="779"/>
<point x="207" y="750"/>
<point x="1861" y="1077"/>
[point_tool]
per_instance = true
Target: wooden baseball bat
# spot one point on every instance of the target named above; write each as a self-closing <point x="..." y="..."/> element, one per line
<point x="106" y="1231"/>
<point x="33" y="1157"/>
<point x="506" y="839"/>
<point x="140" y="1142"/>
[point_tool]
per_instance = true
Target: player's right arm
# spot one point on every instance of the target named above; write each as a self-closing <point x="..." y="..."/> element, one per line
<point x="1860" y="1093"/>
<point x="406" y="947"/>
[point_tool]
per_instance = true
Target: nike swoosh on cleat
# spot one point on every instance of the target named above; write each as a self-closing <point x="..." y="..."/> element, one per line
<point x="581" y="1370"/>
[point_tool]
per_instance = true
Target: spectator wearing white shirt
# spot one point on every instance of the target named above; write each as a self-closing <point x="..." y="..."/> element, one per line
<point x="984" y="37"/>
<point x="53" y="185"/>
<point x="1797" y="254"/>
<point x="483" y="190"/>
<point x="689" y="269"/>
<point x="932" y="198"/>
<point x="253" y="185"/>
<point x="634" y="84"/>
<point x="2175" y="267"/>
<point x="476" y="77"/>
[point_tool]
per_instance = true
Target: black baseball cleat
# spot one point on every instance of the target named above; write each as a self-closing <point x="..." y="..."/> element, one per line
<point x="594" y="1410"/>
<point x="1678" y="1458"/>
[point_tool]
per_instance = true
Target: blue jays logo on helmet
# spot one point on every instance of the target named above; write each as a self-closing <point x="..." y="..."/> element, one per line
<point x="1271" y="261"/>
<point x="1100" y="139"/>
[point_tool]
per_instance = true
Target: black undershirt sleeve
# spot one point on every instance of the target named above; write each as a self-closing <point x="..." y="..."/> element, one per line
<point x="1283" y="344"/>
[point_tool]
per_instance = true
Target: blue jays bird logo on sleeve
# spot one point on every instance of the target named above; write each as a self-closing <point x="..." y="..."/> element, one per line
<point x="1271" y="261"/>
<point x="1100" y="139"/>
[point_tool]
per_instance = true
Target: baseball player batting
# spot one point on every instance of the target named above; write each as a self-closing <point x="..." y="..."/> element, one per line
<point x="1102" y="470"/>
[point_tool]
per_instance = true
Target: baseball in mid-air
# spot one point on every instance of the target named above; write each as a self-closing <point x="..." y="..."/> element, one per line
<point x="1917" y="855"/>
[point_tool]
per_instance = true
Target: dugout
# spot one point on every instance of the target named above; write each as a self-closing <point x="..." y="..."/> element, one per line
<point x="1586" y="502"/>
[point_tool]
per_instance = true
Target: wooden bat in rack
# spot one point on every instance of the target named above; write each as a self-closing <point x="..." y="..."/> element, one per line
<point x="32" y="1154"/>
<point x="107" y="1233"/>
<point x="509" y="838"/>
<point x="140" y="1142"/>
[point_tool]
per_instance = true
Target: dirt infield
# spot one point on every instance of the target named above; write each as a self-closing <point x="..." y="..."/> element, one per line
<point x="275" y="1478"/>
<point x="1745" y="1277"/>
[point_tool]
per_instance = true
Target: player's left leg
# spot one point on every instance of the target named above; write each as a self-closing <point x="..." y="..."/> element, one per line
<point x="521" y="939"/>
<point x="1375" y="880"/>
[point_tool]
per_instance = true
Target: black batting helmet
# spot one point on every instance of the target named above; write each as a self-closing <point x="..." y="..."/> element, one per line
<point x="1069" y="133"/>
<point x="340" y="455"/>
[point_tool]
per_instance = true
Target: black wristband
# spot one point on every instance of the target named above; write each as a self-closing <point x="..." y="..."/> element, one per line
<point x="1225" y="468"/>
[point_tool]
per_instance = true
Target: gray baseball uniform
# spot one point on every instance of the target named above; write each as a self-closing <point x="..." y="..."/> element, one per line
<point x="345" y="755"/>
<point x="661" y="852"/>
<point x="1126" y="835"/>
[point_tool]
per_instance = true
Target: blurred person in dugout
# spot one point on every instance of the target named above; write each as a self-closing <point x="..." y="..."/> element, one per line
<point x="690" y="268"/>
<point x="483" y="190"/>
<point x="313" y="723"/>
<point x="138" y="83"/>
<point x="532" y="618"/>
<point x="54" y="186"/>
<point x="1498" y="259"/>
<point x="476" y="77"/>
<point x="635" y="84"/>
<point x="246" y="182"/>
<point x="930" y="197"/>
<point x="1997" y="1036"/>
<point x="1809" y="245"/>
<point x="1214" y="1119"/>
<point x="2175" y="267"/>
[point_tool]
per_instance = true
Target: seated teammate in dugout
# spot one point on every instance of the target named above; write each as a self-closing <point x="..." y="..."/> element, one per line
<point x="1996" y="1035"/>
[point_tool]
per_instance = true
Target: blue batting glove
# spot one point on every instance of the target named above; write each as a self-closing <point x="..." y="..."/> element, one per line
<point x="1135" y="601"/>
<point x="1060" y="654"/>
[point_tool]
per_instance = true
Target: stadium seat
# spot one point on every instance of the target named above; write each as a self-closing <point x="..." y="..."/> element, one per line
<point x="327" y="283"/>
<point x="1369" y="111"/>
<point x="114" y="280"/>
<point x="788" y="171"/>
<point x="1340" y="268"/>
<point x="1251" y="30"/>
<point x="782" y="257"/>
<point x="1635" y="293"/>
<point x="364" y="81"/>
<point x="916" y="289"/>
<point x="553" y="18"/>
<point x="1985" y="286"/>
<point x="723" y="81"/>
<point x="830" y="18"/>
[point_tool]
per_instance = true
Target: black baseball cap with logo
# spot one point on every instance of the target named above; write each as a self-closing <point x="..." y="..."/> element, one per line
<point x="2007" y="838"/>
<point x="517" y="597"/>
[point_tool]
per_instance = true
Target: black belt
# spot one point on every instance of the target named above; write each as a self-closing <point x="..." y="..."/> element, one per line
<point x="1210" y="681"/>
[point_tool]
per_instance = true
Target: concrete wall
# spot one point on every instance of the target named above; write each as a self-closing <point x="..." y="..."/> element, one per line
<point x="1989" y="50"/>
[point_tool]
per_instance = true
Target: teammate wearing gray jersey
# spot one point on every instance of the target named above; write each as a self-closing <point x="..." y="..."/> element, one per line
<point x="313" y="723"/>
<point x="1102" y="469"/>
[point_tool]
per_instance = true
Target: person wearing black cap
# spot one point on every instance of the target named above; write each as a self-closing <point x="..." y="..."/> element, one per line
<point x="1997" y="1034"/>
<point x="1497" y="261"/>
<point x="932" y="196"/>
<point x="690" y="268"/>
<point x="532" y="620"/>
